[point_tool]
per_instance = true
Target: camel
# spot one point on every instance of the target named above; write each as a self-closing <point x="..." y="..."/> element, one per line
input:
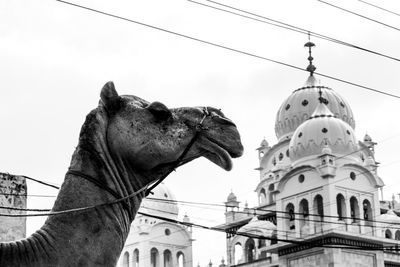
<point x="125" y="145"/>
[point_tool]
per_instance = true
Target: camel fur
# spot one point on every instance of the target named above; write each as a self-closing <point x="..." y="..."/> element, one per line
<point x="125" y="143"/>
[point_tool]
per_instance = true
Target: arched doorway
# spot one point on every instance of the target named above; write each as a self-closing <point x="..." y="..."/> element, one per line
<point x="250" y="250"/>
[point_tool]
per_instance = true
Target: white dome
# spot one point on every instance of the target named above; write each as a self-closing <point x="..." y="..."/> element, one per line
<point x="162" y="203"/>
<point x="299" y="106"/>
<point x="322" y="129"/>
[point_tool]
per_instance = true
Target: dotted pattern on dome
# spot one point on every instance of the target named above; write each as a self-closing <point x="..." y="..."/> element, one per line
<point x="320" y="130"/>
<point x="300" y="105"/>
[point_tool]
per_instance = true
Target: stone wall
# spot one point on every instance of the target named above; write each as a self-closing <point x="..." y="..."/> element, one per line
<point x="13" y="192"/>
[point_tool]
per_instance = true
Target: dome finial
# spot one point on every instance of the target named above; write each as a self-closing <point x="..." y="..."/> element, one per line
<point x="310" y="68"/>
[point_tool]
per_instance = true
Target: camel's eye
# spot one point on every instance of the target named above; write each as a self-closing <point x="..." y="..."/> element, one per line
<point x="160" y="111"/>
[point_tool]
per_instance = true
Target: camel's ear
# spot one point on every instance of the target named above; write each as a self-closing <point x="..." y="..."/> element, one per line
<point x="109" y="96"/>
<point x="160" y="111"/>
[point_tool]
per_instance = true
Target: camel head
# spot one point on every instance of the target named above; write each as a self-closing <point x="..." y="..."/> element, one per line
<point x="150" y="136"/>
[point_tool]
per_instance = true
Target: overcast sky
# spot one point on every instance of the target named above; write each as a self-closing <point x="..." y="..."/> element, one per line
<point x="55" y="58"/>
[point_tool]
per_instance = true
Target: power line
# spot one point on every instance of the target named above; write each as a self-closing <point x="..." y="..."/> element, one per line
<point x="381" y="8"/>
<point x="37" y="181"/>
<point x="359" y="15"/>
<point x="299" y="242"/>
<point x="227" y="48"/>
<point x="287" y="26"/>
<point x="25" y="195"/>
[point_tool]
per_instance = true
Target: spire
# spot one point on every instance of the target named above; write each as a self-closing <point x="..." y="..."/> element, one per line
<point x="310" y="68"/>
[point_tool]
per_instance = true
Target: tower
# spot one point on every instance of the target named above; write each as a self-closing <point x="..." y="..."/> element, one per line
<point x="319" y="187"/>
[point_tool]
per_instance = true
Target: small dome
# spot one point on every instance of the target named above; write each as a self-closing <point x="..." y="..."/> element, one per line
<point x="299" y="106"/>
<point x="390" y="217"/>
<point x="264" y="143"/>
<point x="367" y="138"/>
<point x="258" y="227"/>
<point x="186" y="219"/>
<point x="231" y="198"/>
<point x="162" y="203"/>
<point x="320" y="130"/>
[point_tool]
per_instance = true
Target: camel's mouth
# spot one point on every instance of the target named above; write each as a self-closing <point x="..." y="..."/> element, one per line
<point x="219" y="153"/>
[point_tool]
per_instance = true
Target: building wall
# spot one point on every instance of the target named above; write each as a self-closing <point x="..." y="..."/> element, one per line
<point x="332" y="258"/>
<point x="13" y="192"/>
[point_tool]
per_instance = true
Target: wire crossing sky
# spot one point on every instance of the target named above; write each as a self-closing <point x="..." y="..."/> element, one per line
<point x="231" y="49"/>
<point x="57" y="57"/>
<point x="286" y="26"/>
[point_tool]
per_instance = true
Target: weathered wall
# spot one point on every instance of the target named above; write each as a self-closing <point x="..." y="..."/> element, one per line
<point x="13" y="192"/>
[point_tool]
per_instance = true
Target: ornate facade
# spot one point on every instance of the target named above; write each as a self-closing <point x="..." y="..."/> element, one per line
<point x="318" y="193"/>
<point x="158" y="243"/>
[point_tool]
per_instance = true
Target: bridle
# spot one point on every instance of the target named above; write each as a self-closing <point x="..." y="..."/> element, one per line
<point x="147" y="189"/>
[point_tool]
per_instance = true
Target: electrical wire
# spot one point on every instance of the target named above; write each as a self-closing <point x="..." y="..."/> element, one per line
<point x="359" y="15"/>
<point x="287" y="26"/>
<point x="229" y="48"/>
<point x="381" y="8"/>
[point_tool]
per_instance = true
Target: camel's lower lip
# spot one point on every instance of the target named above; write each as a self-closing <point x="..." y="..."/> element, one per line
<point x="216" y="154"/>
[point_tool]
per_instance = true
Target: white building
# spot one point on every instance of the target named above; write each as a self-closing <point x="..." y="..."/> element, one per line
<point x="318" y="189"/>
<point x="13" y="192"/>
<point x="158" y="243"/>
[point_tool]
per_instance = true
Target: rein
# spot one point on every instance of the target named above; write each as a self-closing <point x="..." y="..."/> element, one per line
<point x="198" y="128"/>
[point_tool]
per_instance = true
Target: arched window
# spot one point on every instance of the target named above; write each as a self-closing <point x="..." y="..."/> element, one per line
<point x="125" y="259"/>
<point x="367" y="212"/>
<point x="388" y="234"/>
<point x="318" y="210"/>
<point x="180" y="257"/>
<point x="238" y="253"/>
<point x="136" y="258"/>
<point x="319" y="207"/>
<point x="354" y="209"/>
<point x="263" y="196"/>
<point x="271" y="194"/>
<point x="304" y="212"/>
<point x="154" y="258"/>
<point x="250" y="250"/>
<point x="290" y="217"/>
<point x="341" y="206"/>
<point x="397" y="235"/>
<point x="167" y="258"/>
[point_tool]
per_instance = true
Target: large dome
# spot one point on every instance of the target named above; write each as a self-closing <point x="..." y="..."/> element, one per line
<point x="299" y="106"/>
<point x="322" y="129"/>
<point x="162" y="203"/>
